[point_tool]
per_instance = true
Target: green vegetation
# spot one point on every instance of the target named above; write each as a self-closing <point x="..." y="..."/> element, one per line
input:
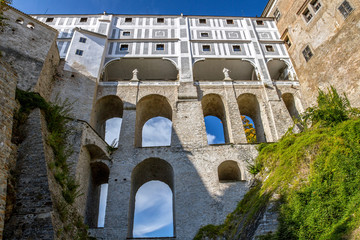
<point x="56" y="117"/>
<point x="315" y="172"/>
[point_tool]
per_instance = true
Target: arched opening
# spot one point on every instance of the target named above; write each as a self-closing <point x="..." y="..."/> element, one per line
<point x="153" y="216"/>
<point x="112" y="131"/>
<point x="229" y="171"/>
<point x="249" y="106"/>
<point x="290" y="104"/>
<point x="20" y="21"/>
<point x="215" y="119"/>
<point x="147" y="69"/>
<point x="278" y="69"/>
<point x="213" y="69"/>
<point x="157" y="132"/>
<point x="152" y="169"/>
<point x="147" y="108"/>
<point x="107" y="108"/>
<point x="97" y="194"/>
<point x="31" y="26"/>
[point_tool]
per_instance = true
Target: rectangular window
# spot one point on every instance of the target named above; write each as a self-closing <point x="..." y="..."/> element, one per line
<point x="345" y="9"/>
<point x="236" y="48"/>
<point x="206" y="48"/>
<point x="277" y="15"/>
<point x="83" y="19"/>
<point x="287" y="41"/>
<point x="307" y="15"/>
<point x="229" y="21"/>
<point x="160" y="47"/>
<point x="128" y="20"/>
<point x="204" y="34"/>
<point x="259" y="22"/>
<point x="316" y="5"/>
<point x="79" y="52"/>
<point x="124" y="47"/>
<point x="49" y="19"/>
<point x="160" y="20"/>
<point x="202" y="21"/>
<point x="307" y="53"/>
<point x="126" y="33"/>
<point x="82" y="40"/>
<point x="269" y="48"/>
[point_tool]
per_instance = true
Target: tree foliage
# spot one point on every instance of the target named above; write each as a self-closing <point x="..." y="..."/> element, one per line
<point x="332" y="109"/>
<point x="250" y="131"/>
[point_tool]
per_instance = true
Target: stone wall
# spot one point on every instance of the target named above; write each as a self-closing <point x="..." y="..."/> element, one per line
<point x="199" y="198"/>
<point x="32" y="215"/>
<point x="29" y="47"/>
<point x="8" y="82"/>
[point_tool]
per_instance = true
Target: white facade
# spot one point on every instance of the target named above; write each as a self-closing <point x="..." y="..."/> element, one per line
<point x="184" y="40"/>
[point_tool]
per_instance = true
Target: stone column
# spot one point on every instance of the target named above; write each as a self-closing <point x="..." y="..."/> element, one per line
<point x="236" y="129"/>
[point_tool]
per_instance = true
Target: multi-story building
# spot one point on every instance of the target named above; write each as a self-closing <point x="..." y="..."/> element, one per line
<point x="322" y="39"/>
<point x="183" y="68"/>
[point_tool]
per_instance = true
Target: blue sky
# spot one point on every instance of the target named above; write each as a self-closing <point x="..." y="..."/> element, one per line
<point x="243" y="8"/>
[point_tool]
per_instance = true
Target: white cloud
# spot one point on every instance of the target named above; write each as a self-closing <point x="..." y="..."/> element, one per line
<point x="156" y="132"/>
<point x="211" y="138"/>
<point x="153" y="210"/>
<point x="112" y="130"/>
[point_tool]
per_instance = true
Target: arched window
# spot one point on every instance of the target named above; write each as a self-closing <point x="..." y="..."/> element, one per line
<point x="106" y="108"/>
<point x="151" y="174"/>
<point x="153" y="216"/>
<point x="96" y="201"/>
<point x="229" y="171"/>
<point x="156" y="132"/>
<point x="150" y="107"/>
<point x="215" y="119"/>
<point x="290" y="104"/>
<point x="249" y="107"/>
<point x="31" y="26"/>
<point x="20" y="21"/>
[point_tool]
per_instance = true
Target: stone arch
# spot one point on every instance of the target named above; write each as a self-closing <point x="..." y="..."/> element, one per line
<point x="149" y="170"/>
<point x="249" y="106"/>
<point x="99" y="175"/>
<point x="212" y="69"/>
<point x="291" y="105"/>
<point x="148" y="69"/>
<point x="229" y="171"/>
<point x="149" y="107"/>
<point x="105" y="108"/>
<point x="279" y="69"/>
<point x="213" y="105"/>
